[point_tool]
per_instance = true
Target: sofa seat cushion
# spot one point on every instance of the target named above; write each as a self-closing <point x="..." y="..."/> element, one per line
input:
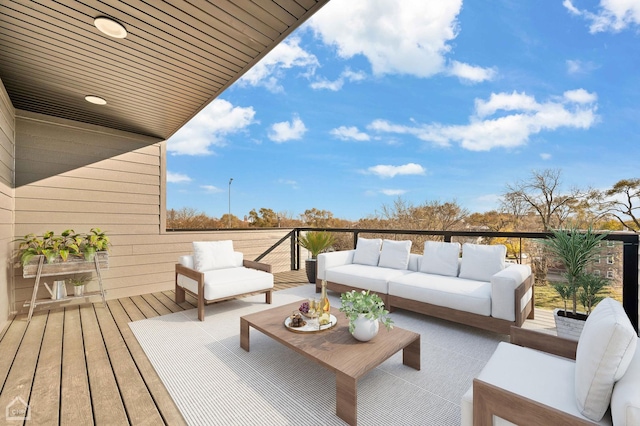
<point x="532" y="374"/>
<point x="450" y="292"/>
<point x="366" y="277"/>
<point x="229" y="282"/>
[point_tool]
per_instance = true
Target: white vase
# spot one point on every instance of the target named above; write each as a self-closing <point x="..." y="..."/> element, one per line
<point x="365" y="329"/>
<point x="78" y="290"/>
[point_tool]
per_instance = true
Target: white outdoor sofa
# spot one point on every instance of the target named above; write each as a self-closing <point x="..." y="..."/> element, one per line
<point x="215" y="272"/>
<point x="541" y="379"/>
<point x="478" y="289"/>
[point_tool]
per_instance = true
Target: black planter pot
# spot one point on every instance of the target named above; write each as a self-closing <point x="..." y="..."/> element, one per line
<point x="310" y="267"/>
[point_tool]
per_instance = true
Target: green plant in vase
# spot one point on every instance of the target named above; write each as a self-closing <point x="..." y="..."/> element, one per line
<point x="370" y="305"/>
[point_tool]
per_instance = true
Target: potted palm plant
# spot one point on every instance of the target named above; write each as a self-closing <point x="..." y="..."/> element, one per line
<point x="365" y="310"/>
<point x="316" y="242"/>
<point x="574" y="249"/>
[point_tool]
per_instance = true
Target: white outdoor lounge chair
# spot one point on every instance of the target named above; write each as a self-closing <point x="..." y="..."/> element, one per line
<point x="216" y="272"/>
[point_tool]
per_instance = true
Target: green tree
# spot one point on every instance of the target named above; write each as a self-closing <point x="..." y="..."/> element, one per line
<point x="265" y="218"/>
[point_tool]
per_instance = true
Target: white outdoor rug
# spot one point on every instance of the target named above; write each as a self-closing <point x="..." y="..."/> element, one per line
<point x="215" y="382"/>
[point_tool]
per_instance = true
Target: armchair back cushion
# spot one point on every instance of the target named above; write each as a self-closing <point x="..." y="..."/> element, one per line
<point x="395" y="254"/>
<point x="605" y="350"/>
<point x="210" y="255"/>
<point x="440" y="258"/>
<point x="367" y="251"/>
<point x="480" y="262"/>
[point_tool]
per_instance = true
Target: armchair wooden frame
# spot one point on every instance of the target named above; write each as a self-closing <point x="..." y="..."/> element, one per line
<point x="489" y="400"/>
<point x="199" y="278"/>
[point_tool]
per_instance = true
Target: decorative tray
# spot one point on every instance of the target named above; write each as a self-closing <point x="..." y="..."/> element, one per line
<point x="311" y="326"/>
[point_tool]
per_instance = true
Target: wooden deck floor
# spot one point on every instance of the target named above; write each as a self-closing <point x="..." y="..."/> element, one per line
<point x="82" y="365"/>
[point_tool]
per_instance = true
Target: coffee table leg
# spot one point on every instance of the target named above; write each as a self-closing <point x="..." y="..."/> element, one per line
<point x="411" y="354"/>
<point x="347" y="398"/>
<point x="244" y="334"/>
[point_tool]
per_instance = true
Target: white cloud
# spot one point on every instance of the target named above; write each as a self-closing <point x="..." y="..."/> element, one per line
<point x="211" y="189"/>
<point x="270" y="69"/>
<point x="520" y="117"/>
<point x="349" y="133"/>
<point x="286" y="131"/>
<point x="346" y="75"/>
<point x="177" y="177"/>
<point x="576" y="66"/>
<point x="397" y="37"/>
<point x="471" y="73"/>
<point x="393" y="192"/>
<point x="545" y="156"/>
<point x="292" y="183"/>
<point x="387" y="171"/>
<point x="612" y="15"/>
<point x="208" y="128"/>
<point x="580" y="96"/>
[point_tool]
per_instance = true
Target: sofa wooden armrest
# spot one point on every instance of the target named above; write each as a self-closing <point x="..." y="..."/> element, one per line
<point x="544" y="342"/>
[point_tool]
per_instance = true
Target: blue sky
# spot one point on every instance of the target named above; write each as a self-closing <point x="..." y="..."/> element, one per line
<point x="372" y="100"/>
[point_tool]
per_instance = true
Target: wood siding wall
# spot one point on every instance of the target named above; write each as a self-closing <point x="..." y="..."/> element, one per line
<point x="71" y="175"/>
<point x="7" y="144"/>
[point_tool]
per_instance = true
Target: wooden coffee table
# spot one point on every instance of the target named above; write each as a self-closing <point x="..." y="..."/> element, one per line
<point x="336" y="350"/>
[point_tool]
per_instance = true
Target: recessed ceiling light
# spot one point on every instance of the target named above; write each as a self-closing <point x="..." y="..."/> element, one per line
<point x="110" y="27"/>
<point x="95" y="100"/>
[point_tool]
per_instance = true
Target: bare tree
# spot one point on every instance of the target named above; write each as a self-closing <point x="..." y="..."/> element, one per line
<point x="542" y="193"/>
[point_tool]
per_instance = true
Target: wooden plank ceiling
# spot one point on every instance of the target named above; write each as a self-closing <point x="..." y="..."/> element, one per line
<point x="177" y="57"/>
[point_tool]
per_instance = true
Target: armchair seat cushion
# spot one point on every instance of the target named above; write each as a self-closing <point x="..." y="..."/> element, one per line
<point x="538" y="376"/>
<point x="229" y="282"/>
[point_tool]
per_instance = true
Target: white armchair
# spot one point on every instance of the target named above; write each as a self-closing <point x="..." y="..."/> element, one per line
<point x="557" y="381"/>
<point x="216" y="272"/>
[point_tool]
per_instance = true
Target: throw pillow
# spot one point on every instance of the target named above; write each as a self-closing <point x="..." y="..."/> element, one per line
<point x="208" y="255"/>
<point x="395" y="254"/>
<point x="440" y="258"/>
<point x="480" y="262"/>
<point x="367" y="251"/>
<point x="605" y="350"/>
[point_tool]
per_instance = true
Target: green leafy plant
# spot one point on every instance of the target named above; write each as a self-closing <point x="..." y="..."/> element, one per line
<point x="370" y="304"/>
<point x="592" y="290"/>
<point x="94" y="241"/>
<point x="316" y="242"/>
<point x="79" y="279"/>
<point x="32" y="245"/>
<point x="575" y="249"/>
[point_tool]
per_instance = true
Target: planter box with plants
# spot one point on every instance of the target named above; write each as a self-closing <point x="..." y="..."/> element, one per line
<point x="66" y="254"/>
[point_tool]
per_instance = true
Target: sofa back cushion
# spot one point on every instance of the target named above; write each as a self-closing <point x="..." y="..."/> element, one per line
<point x="480" y="262"/>
<point x="209" y="255"/>
<point x="440" y="258"/>
<point x="367" y="251"/>
<point x="395" y="254"/>
<point x="605" y="350"/>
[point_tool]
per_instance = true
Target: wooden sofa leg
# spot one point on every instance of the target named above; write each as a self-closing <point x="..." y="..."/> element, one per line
<point x="267" y="297"/>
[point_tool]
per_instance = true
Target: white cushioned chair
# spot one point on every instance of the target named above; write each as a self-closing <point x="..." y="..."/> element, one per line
<point x="542" y="379"/>
<point x="216" y="272"/>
